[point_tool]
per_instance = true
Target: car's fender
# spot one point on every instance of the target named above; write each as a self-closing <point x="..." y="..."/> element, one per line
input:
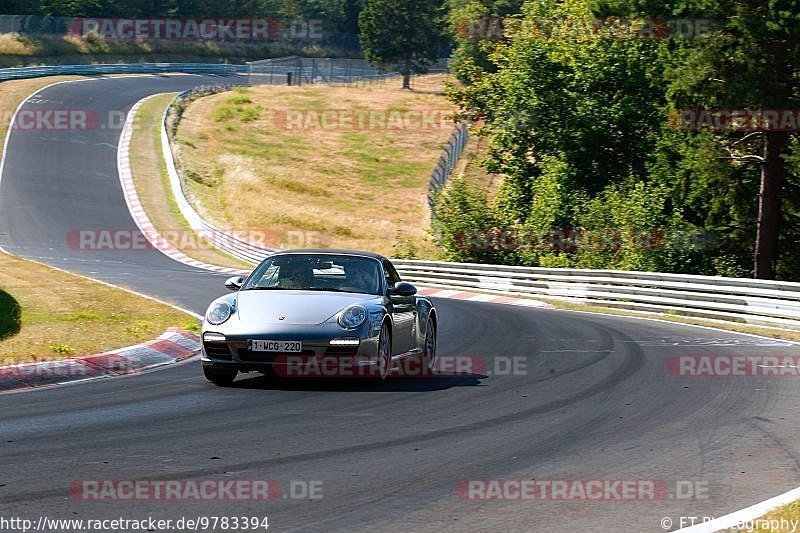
<point x="425" y="312"/>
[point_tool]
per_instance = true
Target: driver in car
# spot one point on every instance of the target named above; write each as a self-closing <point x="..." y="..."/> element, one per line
<point x="295" y="276"/>
<point x="360" y="279"/>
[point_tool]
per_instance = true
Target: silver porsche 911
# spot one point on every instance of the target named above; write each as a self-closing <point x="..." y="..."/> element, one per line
<point x="318" y="313"/>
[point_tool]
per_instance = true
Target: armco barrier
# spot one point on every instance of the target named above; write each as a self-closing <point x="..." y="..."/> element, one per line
<point x="235" y="247"/>
<point x="131" y="68"/>
<point x="766" y="303"/>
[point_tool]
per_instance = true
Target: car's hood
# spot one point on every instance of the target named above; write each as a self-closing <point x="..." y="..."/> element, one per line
<point x="296" y="307"/>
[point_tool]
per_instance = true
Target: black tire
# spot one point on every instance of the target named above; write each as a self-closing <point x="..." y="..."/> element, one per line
<point x="384" y="356"/>
<point x="429" y="348"/>
<point x="221" y="377"/>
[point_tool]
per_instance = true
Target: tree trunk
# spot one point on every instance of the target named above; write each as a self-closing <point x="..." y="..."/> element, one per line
<point x="407" y="74"/>
<point x="773" y="176"/>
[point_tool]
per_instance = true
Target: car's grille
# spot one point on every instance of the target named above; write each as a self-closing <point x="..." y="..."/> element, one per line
<point x="268" y="357"/>
<point x="341" y="350"/>
<point x="217" y="350"/>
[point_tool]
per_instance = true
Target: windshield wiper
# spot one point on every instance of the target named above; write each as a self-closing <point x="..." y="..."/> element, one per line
<point x="267" y="289"/>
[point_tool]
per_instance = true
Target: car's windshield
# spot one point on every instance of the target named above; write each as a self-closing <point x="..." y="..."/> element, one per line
<point x="317" y="272"/>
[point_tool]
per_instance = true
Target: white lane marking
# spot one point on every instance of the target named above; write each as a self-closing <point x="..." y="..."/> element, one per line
<point x="107" y="284"/>
<point x="2" y="169"/>
<point x="733" y="518"/>
<point x="482" y="298"/>
<point x="32" y="96"/>
<point x="711" y="328"/>
<point x="744" y="515"/>
<point x="134" y="204"/>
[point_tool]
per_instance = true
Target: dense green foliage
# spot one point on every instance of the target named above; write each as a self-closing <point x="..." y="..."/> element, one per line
<point x="597" y="174"/>
<point x="585" y="126"/>
<point x="408" y="33"/>
<point x="341" y="15"/>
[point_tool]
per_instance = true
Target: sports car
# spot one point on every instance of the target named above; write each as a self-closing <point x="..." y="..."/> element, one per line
<point x="318" y="313"/>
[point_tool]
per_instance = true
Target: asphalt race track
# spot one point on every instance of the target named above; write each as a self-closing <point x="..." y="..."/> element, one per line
<point x="594" y="402"/>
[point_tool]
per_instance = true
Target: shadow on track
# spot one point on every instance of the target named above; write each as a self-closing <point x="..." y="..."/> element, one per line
<point x="393" y="384"/>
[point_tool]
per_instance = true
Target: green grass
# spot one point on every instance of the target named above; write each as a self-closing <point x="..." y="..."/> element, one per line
<point x="66" y="316"/>
<point x="239" y="100"/>
<point x="152" y="180"/>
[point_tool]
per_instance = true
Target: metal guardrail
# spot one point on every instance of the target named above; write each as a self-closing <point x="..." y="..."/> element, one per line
<point x="766" y="303"/>
<point x="126" y="68"/>
<point x="221" y="239"/>
<point x="447" y="162"/>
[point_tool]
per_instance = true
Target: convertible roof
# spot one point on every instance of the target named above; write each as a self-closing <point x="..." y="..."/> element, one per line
<point x="332" y="251"/>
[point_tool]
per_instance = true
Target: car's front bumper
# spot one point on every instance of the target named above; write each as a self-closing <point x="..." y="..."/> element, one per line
<point x="318" y="348"/>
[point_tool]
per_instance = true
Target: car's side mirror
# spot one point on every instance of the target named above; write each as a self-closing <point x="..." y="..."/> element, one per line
<point x="234" y="283"/>
<point x="402" y="288"/>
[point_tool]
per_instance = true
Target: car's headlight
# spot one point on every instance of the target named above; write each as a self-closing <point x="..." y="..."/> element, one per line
<point x="218" y="313"/>
<point x="353" y="316"/>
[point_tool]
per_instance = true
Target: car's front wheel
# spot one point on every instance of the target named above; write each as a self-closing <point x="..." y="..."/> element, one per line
<point x="384" y="363"/>
<point x="429" y="349"/>
<point x="222" y="377"/>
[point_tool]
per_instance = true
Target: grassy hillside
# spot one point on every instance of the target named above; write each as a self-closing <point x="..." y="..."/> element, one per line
<point x="288" y="160"/>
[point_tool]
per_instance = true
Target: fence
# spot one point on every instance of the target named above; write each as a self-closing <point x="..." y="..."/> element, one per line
<point x="448" y="161"/>
<point x="35" y="24"/>
<point x="758" y="302"/>
<point x="295" y="70"/>
<point x="132" y="68"/>
<point x="278" y="71"/>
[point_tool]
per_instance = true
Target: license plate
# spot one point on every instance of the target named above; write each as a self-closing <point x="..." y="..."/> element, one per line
<point x="276" y="346"/>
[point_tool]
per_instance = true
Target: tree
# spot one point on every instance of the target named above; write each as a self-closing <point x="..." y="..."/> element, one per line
<point x="751" y="62"/>
<point x="408" y="33"/>
<point x="469" y="22"/>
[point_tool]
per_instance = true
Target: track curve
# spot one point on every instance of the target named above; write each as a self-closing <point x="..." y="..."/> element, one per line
<point x="594" y="402"/>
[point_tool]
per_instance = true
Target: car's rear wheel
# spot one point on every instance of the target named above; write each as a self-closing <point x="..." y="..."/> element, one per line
<point x="384" y="363"/>
<point x="429" y="349"/>
<point x="222" y="377"/>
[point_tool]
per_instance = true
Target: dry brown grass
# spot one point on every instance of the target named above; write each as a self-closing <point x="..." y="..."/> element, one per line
<point x="78" y="317"/>
<point x="469" y="167"/>
<point x="333" y="187"/>
<point x="21" y="50"/>
<point x="788" y="513"/>
<point x="152" y="181"/>
<point x="64" y="317"/>
<point x="10" y="44"/>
